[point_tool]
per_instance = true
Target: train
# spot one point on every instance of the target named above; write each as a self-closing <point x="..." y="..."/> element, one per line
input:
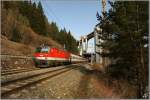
<point x="46" y="56"/>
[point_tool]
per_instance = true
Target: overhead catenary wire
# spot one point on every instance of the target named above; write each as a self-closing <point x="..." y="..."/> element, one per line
<point x="46" y="11"/>
<point x="48" y="8"/>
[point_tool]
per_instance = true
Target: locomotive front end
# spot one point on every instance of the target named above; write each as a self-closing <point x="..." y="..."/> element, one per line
<point x="41" y="56"/>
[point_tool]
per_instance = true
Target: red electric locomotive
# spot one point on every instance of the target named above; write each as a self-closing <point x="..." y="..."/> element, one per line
<point x="47" y="56"/>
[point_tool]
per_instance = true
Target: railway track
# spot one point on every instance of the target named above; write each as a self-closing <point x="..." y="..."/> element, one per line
<point x="15" y="71"/>
<point x="10" y="83"/>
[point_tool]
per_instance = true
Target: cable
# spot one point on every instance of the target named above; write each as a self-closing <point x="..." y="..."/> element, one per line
<point x="53" y="14"/>
<point x="46" y="10"/>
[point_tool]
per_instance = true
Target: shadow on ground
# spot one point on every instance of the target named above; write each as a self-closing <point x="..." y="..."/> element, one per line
<point x="84" y="89"/>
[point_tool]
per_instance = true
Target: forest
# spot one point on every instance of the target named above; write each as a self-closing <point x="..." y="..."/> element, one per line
<point x="125" y="34"/>
<point x="31" y="14"/>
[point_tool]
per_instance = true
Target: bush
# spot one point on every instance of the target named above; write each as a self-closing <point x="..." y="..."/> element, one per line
<point x="16" y="36"/>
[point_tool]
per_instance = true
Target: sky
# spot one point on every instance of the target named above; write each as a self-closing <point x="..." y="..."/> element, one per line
<point x="78" y="16"/>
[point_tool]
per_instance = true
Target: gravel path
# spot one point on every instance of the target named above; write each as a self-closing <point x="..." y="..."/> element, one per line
<point x="75" y="84"/>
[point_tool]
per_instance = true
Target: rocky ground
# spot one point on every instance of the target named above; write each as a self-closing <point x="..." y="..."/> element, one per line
<point x="76" y="84"/>
<point x="9" y="63"/>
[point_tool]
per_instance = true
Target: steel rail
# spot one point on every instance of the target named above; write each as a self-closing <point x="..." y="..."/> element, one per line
<point x="31" y="80"/>
<point x="16" y="56"/>
<point x="15" y="71"/>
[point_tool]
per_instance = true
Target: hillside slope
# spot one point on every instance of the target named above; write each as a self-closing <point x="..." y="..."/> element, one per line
<point x="27" y="46"/>
<point x="26" y="23"/>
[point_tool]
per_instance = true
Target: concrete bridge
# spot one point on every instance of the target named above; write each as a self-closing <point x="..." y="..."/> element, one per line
<point x="98" y="49"/>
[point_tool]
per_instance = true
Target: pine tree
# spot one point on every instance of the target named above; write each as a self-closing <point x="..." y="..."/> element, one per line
<point x="127" y="29"/>
<point x="35" y="15"/>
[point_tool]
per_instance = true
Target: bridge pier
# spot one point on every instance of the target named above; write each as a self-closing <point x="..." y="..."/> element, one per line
<point x="86" y="44"/>
<point x="97" y="42"/>
<point x="83" y="45"/>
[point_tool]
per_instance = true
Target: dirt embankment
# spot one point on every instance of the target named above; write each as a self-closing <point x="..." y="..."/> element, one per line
<point x="27" y="45"/>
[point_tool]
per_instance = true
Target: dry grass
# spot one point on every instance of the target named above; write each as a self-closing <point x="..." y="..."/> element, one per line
<point x="125" y="90"/>
<point x="108" y="87"/>
<point x="98" y="67"/>
<point x="14" y="48"/>
<point x="27" y="45"/>
<point x="113" y="88"/>
<point x="33" y="39"/>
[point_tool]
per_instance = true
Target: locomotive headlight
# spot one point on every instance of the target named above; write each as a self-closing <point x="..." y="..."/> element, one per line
<point x="41" y="55"/>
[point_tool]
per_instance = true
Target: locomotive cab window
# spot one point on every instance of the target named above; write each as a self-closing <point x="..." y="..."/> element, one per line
<point x="45" y="50"/>
<point x="42" y="50"/>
